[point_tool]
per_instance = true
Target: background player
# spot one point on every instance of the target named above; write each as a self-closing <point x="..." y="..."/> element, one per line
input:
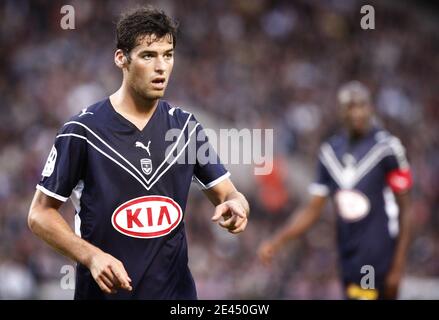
<point x="129" y="194"/>
<point x="356" y="168"/>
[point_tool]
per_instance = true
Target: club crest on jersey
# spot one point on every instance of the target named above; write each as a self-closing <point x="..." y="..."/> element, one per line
<point x="146" y="165"/>
<point x="147" y="217"/>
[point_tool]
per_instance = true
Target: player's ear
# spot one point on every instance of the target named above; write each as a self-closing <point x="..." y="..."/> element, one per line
<point x="120" y="59"/>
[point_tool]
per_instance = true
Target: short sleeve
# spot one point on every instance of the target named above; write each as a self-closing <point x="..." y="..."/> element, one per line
<point x="208" y="170"/>
<point x="65" y="165"/>
<point x="322" y="181"/>
<point x="397" y="169"/>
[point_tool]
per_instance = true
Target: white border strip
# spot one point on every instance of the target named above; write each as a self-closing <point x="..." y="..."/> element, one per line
<point x="366" y="164"/>
<point x="329" y="160"/>
<point x="212" y="183"/>
<point x="372" y="151"/>
<point x="318" y="189"/>
<point x="216" y="181"/>
<point x="106" y="155"/>
<point x="51" y="194"/>
<point x="371" y="163"/>
<point x="176" y="158"/>
<point x="125" y="168"/>
<point x="148" y="181"/>
<point x="173" y="148"/>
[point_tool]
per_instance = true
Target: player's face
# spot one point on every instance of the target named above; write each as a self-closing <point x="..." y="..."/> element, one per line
<point x="151" y="65"/>
<point x="356" y="116"/>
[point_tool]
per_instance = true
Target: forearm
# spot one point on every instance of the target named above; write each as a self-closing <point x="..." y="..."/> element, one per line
<point x="403" y="243"/>
<point x="49" y="225"/>
<point x="300" y="223"/>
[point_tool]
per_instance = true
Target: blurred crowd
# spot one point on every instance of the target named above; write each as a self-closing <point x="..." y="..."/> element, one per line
<point x="254" y="64"/>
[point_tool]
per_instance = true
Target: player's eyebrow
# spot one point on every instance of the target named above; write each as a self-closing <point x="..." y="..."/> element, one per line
<point x="148" y="52"/>
<point x="154" y="52"/>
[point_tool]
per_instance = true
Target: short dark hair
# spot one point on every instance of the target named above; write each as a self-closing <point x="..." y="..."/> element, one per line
<point x="135" y="24"/>
<point x="353" y="91"/>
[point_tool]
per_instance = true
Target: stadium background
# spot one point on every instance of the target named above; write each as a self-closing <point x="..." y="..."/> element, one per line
<point x="252" y="64"/>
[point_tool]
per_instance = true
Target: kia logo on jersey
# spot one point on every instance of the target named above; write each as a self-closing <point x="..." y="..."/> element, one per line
<point x="147" y="217"/>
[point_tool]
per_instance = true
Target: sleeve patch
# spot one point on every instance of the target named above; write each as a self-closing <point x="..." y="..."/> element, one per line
<point x="400" y="180"/>
<point x="50" y="163"/>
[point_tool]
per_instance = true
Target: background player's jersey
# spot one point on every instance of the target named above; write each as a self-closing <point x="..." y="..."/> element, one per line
<point x="360" y="177"/>
<point x="129" y="188"/>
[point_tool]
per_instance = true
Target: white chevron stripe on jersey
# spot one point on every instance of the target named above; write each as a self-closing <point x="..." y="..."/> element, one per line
<point x="103" y="153"/>
<point x="371" y="162"/>
<point x="330" y="161"/>
<point x="364" y="166"/>
<point x="173" y="148"/>
<point x="150" y="185"/>
<point x="147" y="181"/>
<point x="178" y="155"/>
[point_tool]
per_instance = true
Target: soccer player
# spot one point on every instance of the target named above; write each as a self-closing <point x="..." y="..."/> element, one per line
<point x="126" y="178"/>
<point x="363" y="169"/>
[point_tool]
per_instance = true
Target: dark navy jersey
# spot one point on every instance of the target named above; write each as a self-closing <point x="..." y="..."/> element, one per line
<point x="129" y="188"/>
<point x="361" y="176"/>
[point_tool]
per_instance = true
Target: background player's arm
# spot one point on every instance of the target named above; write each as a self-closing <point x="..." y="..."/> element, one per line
<point x="402" y="246"/>
<point x="301" y="222"/>
<point x="47" y="223"/>
<point x="230" y="204"/>
<point x="399" y="179"/>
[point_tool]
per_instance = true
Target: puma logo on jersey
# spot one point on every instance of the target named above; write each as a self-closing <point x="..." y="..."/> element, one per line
<point x="84" y="112"/>
<point x="141" y="145"/>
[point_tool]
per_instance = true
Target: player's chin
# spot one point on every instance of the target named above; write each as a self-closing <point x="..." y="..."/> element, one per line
<point x="155" y="94"/>
<point x="357" y="128"/>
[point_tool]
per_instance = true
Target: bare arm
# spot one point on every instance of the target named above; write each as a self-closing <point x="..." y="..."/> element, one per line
<point x="230" y="204"/>
<point x="301" y="222"/>
<point x="46" y="222"/>
<point x="402" y="246"/>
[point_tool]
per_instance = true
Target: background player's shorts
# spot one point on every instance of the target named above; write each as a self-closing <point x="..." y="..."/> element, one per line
<point x="354" y="291"/>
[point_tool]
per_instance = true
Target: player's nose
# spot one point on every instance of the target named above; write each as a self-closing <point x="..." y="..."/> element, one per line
<point x="160" y="65"/>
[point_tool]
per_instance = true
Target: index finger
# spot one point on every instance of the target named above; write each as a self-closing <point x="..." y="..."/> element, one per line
<point x="219" y="211"/>
<point x="237" y="209"/>
<point x="122" y="276"/>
